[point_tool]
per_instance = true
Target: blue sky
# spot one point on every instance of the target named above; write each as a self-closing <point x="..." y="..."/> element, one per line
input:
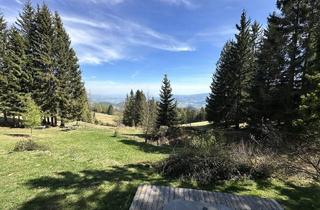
<point x="131" y="44"/>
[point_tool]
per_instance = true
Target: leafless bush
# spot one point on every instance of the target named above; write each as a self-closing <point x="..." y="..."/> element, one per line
<point x="305" y="158"/>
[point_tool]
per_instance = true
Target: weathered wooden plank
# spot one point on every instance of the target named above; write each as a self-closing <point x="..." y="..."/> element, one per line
<point x="156" y="197"/>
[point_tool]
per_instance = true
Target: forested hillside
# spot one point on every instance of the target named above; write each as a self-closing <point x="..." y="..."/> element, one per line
<point x="37" y="61"/>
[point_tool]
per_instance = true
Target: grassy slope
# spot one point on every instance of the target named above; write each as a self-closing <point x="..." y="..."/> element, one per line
<point x="107" y="119"/>
<point x="89" y="169"/>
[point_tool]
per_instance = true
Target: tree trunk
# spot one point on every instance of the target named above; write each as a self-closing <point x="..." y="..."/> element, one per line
<point x="62" y="125"/>
<point x="55" y="121"/>
<point x="52" y="121"/>
<point x="5" y="116"/>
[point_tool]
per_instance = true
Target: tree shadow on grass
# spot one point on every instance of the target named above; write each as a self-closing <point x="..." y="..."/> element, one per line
<point x="293" y="197"/>
<point x="301" y="197"/>
<point x="148" y="148"/>
<point x="91" y="189"/>
<point x="19" y="135"/>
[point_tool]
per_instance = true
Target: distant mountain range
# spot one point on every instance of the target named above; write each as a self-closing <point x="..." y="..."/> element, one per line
<point x="195" y="100"/>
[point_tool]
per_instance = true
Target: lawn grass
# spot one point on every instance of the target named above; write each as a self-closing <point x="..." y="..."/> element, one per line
<point x="88" y="168"/>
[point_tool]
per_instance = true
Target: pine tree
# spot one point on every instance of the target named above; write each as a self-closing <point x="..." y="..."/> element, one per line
<point x="79" y="105"/>
<point x="14" y="64"/>
<point x="61" y="51"/>
<point x="267" y="101"/>
<point x="110" y="110"/>
<point x="220" y="100"/>
<point x="26" y="26"/>
<point x="139" y="104"/>
<point x="243" y="71"/>
<point x="167" y="115"/>
<point x="128" y="113"/>
<point x="3" y="80"/>
<point x="294" y="24"/>
<point x="45" y="82"/>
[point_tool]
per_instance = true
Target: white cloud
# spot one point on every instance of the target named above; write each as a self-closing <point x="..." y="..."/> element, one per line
<point x="110" y="2"/>
<point x="186" y="3"/>
<point x="216" y="37"/>
<point x="19" y="1"/>
<point x="115" y="38"/>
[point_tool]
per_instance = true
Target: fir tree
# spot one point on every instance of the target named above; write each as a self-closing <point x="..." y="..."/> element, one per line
<point x="26" y="27"/>
<point x="167" y="115"/>
<point x="3" y="80"/>
<point x="128" y="113"/>
<point x="139" y="104"/>
<point x="220" y="100"/>
<point x="110" y="110"/>
<point x="62" y="67"/>
<point x="267" y="101"/>
<point x="45" y="82"/>
<point x="243" y="71"/>
<point x="14" y="74"/>
<point x="294" y="24"/>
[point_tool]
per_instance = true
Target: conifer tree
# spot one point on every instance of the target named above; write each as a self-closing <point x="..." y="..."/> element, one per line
<point x="265" y="92"/>
<point x="243" y="71"/>
<point x="26" y="26"/>
<point x="110" y="110"/>
<point x="3" y="81"/>
<point x="139" y="105"/>
<point x="294" y="24"/>
<point x="220" y="99"/>
<point x="128" y="113"/>
<point x="61" y="51"/>
<point x="167" y="115"/>
<point x="14" y="64"/>
<point x="45" y="82"/>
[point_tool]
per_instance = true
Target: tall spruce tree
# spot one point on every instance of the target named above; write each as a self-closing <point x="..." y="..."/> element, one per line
<point x="45" y="82"/>
<point x="243" y="71"/>
<point x="167" y="115"/>
<point x="295" y="26"/>
<point x="26" y="26"/>
<point x="220" y="99"/>
<point x="3" y="80"/>
<point x="61" y="51"/>
<point x="128" y="113"/>
<point x="267" y="101"/>
<point x="79" y="108"/>
<point x="139" y="105"/>
<point x="14" y="64"/>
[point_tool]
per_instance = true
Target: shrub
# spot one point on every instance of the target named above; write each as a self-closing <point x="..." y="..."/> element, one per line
<point x="206" y="158"/>
<point x="27" y="145"/>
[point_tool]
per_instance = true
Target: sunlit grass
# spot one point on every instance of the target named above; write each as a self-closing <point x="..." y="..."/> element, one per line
<point x="88" y="168"/>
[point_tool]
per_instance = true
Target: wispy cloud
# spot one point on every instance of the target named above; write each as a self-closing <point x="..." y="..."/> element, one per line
<point x="216" y="37"/>
<point x="108" y="1"/>
<point x="115" y="38"/>
<point x="186" y="3"/>
<point x="19" y="1"/>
